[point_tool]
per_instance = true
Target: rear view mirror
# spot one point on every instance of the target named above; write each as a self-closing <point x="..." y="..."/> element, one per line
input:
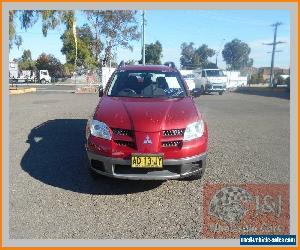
<point x="196" y="92"/>
<point x="100" y="91"/>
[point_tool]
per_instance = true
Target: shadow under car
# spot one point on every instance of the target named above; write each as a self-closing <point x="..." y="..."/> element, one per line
<point x="57" y="157"/>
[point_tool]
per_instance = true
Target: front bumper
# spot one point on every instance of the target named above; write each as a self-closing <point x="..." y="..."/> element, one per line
<point x="215" y="87"/>
<point x="172" y="168"/>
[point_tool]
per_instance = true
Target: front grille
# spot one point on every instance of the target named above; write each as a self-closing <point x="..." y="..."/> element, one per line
<point x="127" y="169"/>
<point x="125" y="143"/>
<point x="173" y="132"/>
<point x="171" y="144"/>
<point x="119" y="131"/>
<point x="119" y="138"/>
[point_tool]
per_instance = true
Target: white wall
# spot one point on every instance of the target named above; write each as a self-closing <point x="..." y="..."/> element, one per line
<point x="106" y="73"/>
<point x="234" y="79"/>
<point x="186" y="72"/>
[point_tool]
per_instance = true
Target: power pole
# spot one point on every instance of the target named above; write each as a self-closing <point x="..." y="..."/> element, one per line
<point x="143" y="48"/>
<point x="273" y="50"/>
<point x="218" y="52"/>
<point x="75" y="39"/>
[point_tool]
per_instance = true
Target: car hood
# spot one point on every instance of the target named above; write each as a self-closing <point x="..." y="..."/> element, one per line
<point x="145" y="114"/>
<point x="220" y="79"/>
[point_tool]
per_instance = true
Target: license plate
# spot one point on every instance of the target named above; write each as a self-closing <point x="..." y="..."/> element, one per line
<point x="146" y="161"/>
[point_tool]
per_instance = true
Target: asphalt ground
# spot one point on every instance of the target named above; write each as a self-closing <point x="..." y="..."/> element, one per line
<point x="52" y="196"/>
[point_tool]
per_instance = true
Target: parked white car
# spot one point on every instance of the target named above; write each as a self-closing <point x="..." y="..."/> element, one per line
<point x="190" y="80"/>
<point x="211" y="80"/>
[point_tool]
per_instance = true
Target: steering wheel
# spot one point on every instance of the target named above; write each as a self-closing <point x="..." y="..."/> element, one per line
<point x="128" y="90"/>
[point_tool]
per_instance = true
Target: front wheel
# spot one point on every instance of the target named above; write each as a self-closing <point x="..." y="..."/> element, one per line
<point x="221" y="92"/>
<point x="43" y="81"/>
<point x="202" y="90"/>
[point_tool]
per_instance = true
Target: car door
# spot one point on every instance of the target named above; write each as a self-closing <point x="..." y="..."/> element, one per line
<point x="203" y="78"/>
<point x="198" y="80"/>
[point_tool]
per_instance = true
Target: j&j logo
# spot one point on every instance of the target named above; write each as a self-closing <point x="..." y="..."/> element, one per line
<point x="230" y="211"/>
<point x="227" y="204"/>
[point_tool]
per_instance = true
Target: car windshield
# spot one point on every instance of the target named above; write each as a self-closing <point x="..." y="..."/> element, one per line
<point x="148" y="84"/>
<point x="214" y="73"/>
<point x="188" y="76"/>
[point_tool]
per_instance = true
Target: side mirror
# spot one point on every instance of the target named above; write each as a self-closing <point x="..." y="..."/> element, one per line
<point x="100" y="91"/>
<point x="196" y="92"/>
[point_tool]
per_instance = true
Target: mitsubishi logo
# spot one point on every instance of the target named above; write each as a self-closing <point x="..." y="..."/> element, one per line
<point x="147" y="140"/>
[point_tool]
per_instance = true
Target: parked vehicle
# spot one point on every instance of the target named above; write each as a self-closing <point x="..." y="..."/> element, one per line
<point x="44" y="77"/>
<point x="212" y="80"/>
<point x="17" y="76"/>
<point x="190" y="81"/>
<point x="147" y="126"/>
<point x="281" y="81"/>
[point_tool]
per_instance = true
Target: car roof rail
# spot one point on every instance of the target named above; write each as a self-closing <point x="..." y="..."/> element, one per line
<point x="170" y="64"/>
<point x="121" y="64"/>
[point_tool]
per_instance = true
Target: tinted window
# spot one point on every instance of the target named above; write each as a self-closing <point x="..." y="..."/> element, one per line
<point x="214" y="73"/>
<point x="147" y="84"/>
<point x="189" y="76"/>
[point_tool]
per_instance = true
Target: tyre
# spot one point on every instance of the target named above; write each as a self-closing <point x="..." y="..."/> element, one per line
<point x="43" y="81"/>
<point x="221" y="92"/>
<point x="202" y="90"/>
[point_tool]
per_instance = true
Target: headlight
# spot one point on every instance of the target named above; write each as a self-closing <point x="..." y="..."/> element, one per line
<point x="194" y="130"/>
<point x="100" y="129"/>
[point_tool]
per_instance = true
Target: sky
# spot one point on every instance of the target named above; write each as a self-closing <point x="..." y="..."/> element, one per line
<point x="173" y="27"/>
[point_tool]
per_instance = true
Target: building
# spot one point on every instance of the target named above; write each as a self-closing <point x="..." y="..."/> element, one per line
<point x="248" y="71"/>
<point x="264" y="72"/>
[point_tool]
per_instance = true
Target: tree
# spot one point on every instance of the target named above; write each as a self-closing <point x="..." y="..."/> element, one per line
<point x="236" y="54"/>
<point x="52" y="64"/>
<point x="13" y="37"/>
<point x="153" y="53"/>
<point x="113" y="28"/>
<point x="26" y="62"/>
<point x="130" y="62"/>
<point x="27" y="18"/>
<point x="26" y="55"/>
<point x="204" y="52"/>
<point x="192" y="58"/>
<point x="256" y="79"/>
<point x="85" y="39"/>
<point x="68" y="69"/>
<point x="187" y="59"/>
<point x="210" y="65"/>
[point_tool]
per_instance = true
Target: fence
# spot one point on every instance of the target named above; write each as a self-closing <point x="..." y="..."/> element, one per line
<point x="90" y="80"/>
